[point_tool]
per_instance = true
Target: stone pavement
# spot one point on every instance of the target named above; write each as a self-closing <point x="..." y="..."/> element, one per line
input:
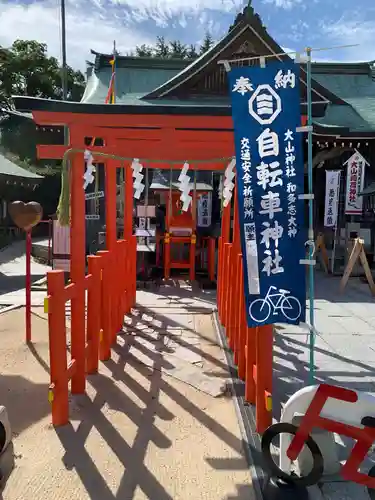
<point x="12" y="276"/>
<point x="169" y="338"/>
<point x="140" y="433"/>
<point x="344" y="355"/>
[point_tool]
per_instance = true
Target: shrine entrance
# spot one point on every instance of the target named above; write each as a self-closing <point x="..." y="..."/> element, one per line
<point x="179" y="242"/>
<point x="102" y="297"/>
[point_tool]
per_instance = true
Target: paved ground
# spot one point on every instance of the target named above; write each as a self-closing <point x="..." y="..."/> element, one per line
<point x="12" y="275"/>
<point x="165" y="355"/>
<point x="140" y="432"/>
<point x="344" y="355"/>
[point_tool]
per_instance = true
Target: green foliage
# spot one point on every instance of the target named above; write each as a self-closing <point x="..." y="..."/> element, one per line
<point x="174" y="49"/>
<point x="192" y="52"/>
<point x="144" y="51"/>
<point x="207" y="43"/>
<point x="26" y="69"/>
<point x="162" y="48"/>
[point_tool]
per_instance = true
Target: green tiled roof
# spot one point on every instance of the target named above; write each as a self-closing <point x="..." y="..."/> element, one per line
<point x="354" y="84"/>
<point x="137" y="99"/>
<point x="132" y="79"/>
<point x="337" y="116"/>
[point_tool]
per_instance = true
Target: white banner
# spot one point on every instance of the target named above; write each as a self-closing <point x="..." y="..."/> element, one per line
<point x="61" y="246"/>
<point x="355" y="178"/>
<point x="332" y="197"/>
<point x="204" y="210"/>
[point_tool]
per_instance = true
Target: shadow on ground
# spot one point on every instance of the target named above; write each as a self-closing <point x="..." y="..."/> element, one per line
<point x="11" y="283"/>
<point x="27" y="404"/>
<point x="136" y="474"/>
<point x="25" y="401"/>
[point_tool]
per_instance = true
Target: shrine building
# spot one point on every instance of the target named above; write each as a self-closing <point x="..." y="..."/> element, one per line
<point x="178" y="110"/>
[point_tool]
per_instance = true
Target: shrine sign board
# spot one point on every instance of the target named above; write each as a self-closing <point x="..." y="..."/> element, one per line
<point x="355" y="178"/>
<point x="270" y="178"/>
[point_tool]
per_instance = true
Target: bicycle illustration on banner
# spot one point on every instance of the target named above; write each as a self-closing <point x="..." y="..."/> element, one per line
<point x="275" y="301"/>
<point x="266" y="114"/>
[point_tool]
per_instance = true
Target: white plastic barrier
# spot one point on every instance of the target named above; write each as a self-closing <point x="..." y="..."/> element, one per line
<point x="339" y="411"/>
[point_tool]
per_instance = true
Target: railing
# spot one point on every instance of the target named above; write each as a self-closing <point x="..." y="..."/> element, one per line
<point x="108" y="291"/>
<point x="252" y="347"/>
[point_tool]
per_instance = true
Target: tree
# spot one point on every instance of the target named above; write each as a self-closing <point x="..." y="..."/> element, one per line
<point x="178" y="50"/>
<point x="207" y="43"/>
<point x="174" y="49"/>
<point x="162" y="48"/>
<point x="192" y="52"/>
<point x="26" y="69"/>
<point x="144" y="51"/>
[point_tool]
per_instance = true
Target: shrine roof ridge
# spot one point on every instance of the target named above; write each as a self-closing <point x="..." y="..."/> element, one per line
<point x="361" y="67"/>
<point x="102" y="60"/>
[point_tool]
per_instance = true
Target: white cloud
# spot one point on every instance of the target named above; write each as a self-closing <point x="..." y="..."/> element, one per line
<point x="41" y="21"/>
<point x="352" y="31"/>
<point x="283" y="4"/>
<point x="94" y="24"/>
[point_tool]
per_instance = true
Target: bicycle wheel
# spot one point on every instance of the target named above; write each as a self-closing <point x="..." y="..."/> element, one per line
<point x="260" y="310"/>
<point x="291" y="308"/>
<point x="318" y="465"/>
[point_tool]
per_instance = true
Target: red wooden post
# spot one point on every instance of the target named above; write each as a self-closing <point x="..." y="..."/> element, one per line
<point x="233" y="304"/>
<point x="58" y="390"/>
<point x="129" y="266"/>
<point x="131" y="251"/>
<point x="231" y="298"/>
<point x="121" y="244"/>
<point x="193" y="245"/>
<point x="111" y="238"/>
<point x="167" y="256"/>
<point x="105" y="341"/>
<point x="264" y="357"/>
<point x="227" y="288"/>
<point x="28" y="286"/>
<point x="134" y="270"/>
<point x="77" y="273"/>
<point x="242" y="323"/>
<point x="224" y="259"/>
<point x="250" y="378"/>
<point x="236" y="310"/>
<point x="224" y="238"/>
<point x="93" y="313"/>
<point x="125" y="280"/>
<point x="128" y="193"/>
<point x="219" y="278"/>
<point x="128" y="276"/>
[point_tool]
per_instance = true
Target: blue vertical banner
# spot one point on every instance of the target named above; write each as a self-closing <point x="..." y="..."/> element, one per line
<point x="270" y="177"/>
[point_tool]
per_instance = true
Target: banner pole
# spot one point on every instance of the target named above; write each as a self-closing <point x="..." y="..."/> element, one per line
<point x="311" y="220"/>
<point x="336" y="225"/>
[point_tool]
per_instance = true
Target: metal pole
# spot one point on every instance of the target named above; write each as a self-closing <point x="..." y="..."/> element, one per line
<point x="114" y="72"/>
<point x="28" y="285"/>
<point x="311" y="216"/>
<point x="63" y="50"/>
<point x="64" y="80"/>
<point x="336" y="225"/>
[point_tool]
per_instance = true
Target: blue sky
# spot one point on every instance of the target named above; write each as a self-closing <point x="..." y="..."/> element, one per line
<point x="94" y="24"/>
